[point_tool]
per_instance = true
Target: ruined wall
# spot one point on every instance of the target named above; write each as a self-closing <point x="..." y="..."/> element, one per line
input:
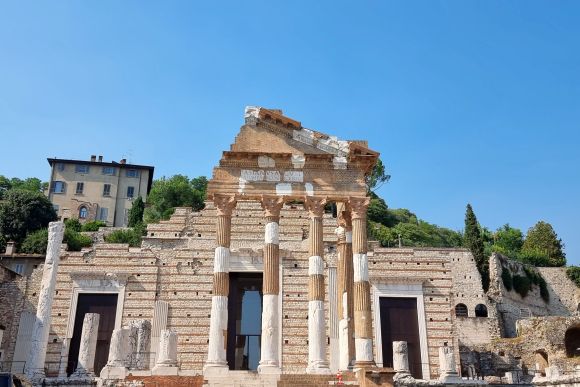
<point x="511" y="306"/>
<point x="17" y="294"/>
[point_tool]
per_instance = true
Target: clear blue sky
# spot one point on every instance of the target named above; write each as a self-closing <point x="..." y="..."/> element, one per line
<point x="467" y="101"/>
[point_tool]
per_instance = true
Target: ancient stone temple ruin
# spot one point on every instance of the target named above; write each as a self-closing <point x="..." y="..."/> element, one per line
<point x="273" y="283"/>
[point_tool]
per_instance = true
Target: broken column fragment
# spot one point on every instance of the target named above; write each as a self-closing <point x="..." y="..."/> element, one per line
<point x="88" y="346"/>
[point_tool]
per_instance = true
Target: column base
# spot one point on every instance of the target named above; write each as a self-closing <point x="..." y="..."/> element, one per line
<point x="450" y="378"/>
<point x="112" y="372"/>
<point x="269" y="369"/>
<point x="364" y="364"/>
<point x="165" y="370"/>
<point x="319" y="368"/>
<point x="215" y="369"/>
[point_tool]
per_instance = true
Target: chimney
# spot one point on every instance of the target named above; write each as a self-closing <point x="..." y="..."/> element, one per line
<point x="123" y="161"/>
<point x="100" y="159"/>
<point x="10" y="248"/>
<point x="93" y="158"/>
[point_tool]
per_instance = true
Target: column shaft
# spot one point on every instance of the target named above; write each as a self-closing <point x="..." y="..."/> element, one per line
<point x="269" y="357"/>
<point x="41" y="329"/>
<point x="317" y="361"/>
<point x="362" y="295"/>
<point x="345" y="291"/>
<point x="216" y="356"/>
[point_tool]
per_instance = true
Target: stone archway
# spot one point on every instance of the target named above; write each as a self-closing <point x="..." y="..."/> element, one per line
<point x="572" y="341"/>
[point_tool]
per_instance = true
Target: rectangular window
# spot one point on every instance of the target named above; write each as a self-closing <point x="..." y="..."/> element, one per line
<point x="130" y="192"/>
<point x="103" y="214"/>
<point x="107" y="190"/>
<point x="58" y="186"/>
<point x="80" y="188"/>
<point x="132" y="173"/>
<point x="109" y="171"/>
<point x="60" y="167"/>
<point x="81" y="168"/>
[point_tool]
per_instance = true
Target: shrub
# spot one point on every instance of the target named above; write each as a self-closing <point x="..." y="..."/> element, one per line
<point x="522" y="284"/>
<point x="2" y="243"/>
<point x="73" y="224"/>
<point x="35" y="242"/>
<point x="507" y="279"/>
<point x="93" y="226"/>
<point x="573" y="272"/>
<point x="132" y="236"/>
<point x="76" y="241"/>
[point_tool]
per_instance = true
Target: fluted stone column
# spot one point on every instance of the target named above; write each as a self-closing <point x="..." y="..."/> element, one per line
<point x="447" y="367"/>
<point x="317" y="363"/>
<point x="41" y="329"/>
<point x="216" y="356"/>
<point x="269" y="357"/>
<point x="119" y="358"/>
<point x="345" y="294"/>
<point x="362" y="291"/>
<point x="88" y="346"/>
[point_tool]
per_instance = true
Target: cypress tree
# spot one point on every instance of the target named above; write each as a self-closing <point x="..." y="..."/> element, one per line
<point x="136" y="212"/>
<point x="473" y="240"/>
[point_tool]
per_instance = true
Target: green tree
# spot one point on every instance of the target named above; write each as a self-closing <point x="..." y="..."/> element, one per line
<point x="24" y="212"/>
<point x="542" y="239"/>
<point x="37" y="241"/>
<point x="377" y="177"/>
<point x="32" y="184"/>
<point x="136" y="212"/>
<point x="508" y="241"/>
<point x="176" y="191"/>
<point x="473" y="240"/>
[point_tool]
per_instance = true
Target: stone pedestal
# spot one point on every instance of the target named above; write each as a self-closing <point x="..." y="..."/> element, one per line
<point x="89" y="335"/>
<point x="447" y="367"/>
<point x="119" y="355"/>
<point x="41" y="329"/>
<point x="167" y="358"/>
<point x="401" y="359"/>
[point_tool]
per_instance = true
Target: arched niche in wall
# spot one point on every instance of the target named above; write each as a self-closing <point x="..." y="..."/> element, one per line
<point x="461" y="310"/>
<point x="572" y="341"/>
<point x="480" y="310"/>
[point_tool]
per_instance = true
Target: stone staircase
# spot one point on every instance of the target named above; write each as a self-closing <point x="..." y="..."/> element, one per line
<point x="292" y="380"/>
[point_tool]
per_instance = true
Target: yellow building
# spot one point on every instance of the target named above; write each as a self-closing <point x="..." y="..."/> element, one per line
<point x="97" y="190"/>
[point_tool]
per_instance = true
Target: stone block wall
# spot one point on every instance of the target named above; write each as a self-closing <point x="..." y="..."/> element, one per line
<point x="512" y="307"/>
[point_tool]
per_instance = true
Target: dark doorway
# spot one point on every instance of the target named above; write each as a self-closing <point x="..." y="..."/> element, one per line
<point x="106" y="306"/>
<point x="572" y="341"/>
<point x="244" y="321"/>
<point x="399" y="323"/>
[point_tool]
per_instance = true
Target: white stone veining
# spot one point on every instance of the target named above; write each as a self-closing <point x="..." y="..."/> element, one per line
<point x="283" y="189"/>
<point x="317" y="363"/>
<point x="221" y="262"/>
<point x="270" y="333"/>
<point x="364" y="349"/>
<point x="218" y="325"/>
<point x="315" y="265"/>
<point x="361" y="267"/>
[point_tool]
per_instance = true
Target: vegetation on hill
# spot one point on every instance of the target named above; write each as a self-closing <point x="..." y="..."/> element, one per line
<point x="176" y="191"/>
<point x="32" y="184"/>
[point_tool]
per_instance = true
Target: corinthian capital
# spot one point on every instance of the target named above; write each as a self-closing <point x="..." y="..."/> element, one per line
<point x="272" y="205"/>
<point x="358" y="206"/>
<point x="224" y="203"/>
<point x="315" y="206"/>
<point x="344" y="218"/>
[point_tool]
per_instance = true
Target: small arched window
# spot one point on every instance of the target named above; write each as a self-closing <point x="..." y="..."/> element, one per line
<point x="83" y="212"/>
<point x="480" y="310"/>
<point x="460" y="310"/>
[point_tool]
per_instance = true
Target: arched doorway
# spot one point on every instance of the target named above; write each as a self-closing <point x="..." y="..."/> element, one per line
<point x="572" y="341"/>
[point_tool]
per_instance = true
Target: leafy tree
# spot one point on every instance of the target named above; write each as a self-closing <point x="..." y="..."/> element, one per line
<point x="508" y="241"/>
<point x="474" y="242"/>
<point x="573" y="272"/>
<point x="377" y="177"/>
<point x="136" y="212"/>
<point x="542" y="238"/>
<point x="176" y="191"/>
<point x="24" y="212"/>
<point x="32" y="184"/>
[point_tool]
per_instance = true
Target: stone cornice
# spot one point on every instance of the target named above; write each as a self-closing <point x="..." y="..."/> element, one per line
<point x="119" y="277"/>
